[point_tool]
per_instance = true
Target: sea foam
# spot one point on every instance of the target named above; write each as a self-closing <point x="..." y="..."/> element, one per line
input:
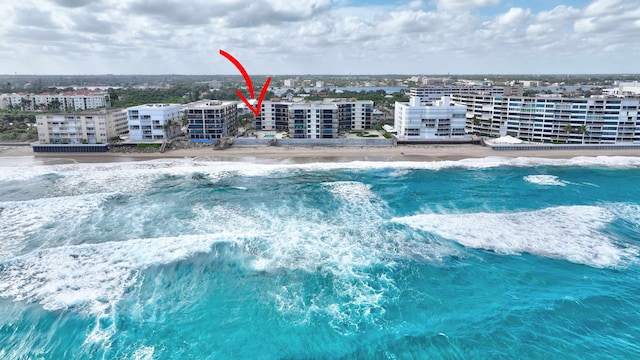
<point x="573" y="233"/>
<point x="92" y="277"/>
<point x="549" y="180"/>
<point x="341" y="246"/>
<point x="109" y="177"/>
<point x="45" y="222"/>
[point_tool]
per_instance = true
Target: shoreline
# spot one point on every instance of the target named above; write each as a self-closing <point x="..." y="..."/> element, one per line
<point x="420" y="153"/>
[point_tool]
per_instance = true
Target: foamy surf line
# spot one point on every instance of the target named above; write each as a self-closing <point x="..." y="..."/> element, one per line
<point x="187" y="165"/>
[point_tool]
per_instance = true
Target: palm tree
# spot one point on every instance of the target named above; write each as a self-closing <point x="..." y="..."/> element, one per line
<point x="169" y="129"/>
<point x="583" y="131"/>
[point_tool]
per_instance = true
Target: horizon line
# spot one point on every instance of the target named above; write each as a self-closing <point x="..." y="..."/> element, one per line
<point x="343" y="75"/>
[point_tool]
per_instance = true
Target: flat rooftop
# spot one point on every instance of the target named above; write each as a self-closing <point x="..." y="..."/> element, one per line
<point x="209" y="104"/>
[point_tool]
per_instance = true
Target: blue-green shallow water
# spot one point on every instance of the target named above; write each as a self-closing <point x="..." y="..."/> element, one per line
<point x="180" y="259"/>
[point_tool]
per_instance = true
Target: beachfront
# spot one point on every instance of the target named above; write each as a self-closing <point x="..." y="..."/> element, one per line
<point x="320" y="154"/>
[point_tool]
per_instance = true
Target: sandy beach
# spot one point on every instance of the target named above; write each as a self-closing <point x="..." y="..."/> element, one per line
<point x="321" y="154"/>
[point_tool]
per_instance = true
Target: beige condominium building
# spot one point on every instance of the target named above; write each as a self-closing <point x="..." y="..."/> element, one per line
<point x="64" y="101"/>
<point x="87" y="127"/>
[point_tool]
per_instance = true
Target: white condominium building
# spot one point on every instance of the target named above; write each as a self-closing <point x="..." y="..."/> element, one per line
<point x="274" y="115"/>
<point x="625" y="88"/>
<point x="89" y="127"/>
<point x="65" y="101"/>
<point x="153" y="122"/>
<point x="596" y="120"/>
<point x="351" y="114"/>
<point x="313" y="120"/>
<point x="210" y="120"/>
<point x="430" y="94"/>
<point x="441" y="120"/>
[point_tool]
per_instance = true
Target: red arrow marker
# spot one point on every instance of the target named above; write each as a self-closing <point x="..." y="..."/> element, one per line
<point x="247" y="79"/>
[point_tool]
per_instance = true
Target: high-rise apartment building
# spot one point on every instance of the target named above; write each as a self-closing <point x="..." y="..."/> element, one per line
<point x="313" y="120"/>
<point x="596" y="120"/>
<point x="154" y="122"/>
<point x="351" y="114"/>
<point x="210" y="120"/>
<point x="274" y="115"/>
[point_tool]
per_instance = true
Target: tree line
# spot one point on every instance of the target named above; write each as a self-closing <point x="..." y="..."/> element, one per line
<point x="18" y="126"/>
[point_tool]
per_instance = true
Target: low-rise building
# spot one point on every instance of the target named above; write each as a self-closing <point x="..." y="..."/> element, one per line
<point x="88" y="127"/>
<point x="429" y="94"/>
<point x="64" y="101"/>
<point x="441" y="120"/>
<point x="154" y="122"/>
<point x="210" y="120"/>
<point x="624" y="89"/>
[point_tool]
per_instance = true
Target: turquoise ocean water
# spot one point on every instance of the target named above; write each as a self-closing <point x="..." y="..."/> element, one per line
<point x="194" y="259"/>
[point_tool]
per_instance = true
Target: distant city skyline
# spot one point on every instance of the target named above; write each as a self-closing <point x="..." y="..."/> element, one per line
<point x="276" y="37"/>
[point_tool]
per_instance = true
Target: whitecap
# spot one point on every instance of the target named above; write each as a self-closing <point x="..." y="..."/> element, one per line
<point x="23" y="220"/>
<point x="307" y="240"/>
<point x="93" y="276"/>
<point x="399" y="173"/>
<point x="548" y="180"/>
<point x="143" y="353"/>
<point x="573" y="233"/>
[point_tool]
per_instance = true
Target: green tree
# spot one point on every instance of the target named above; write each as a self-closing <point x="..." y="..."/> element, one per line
<point x="25" y="104"/>
<point x="54" y="105"/>
<point x="246" y="120"/>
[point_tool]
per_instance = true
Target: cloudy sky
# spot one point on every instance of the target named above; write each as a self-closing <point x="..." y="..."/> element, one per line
<point x="276" y="37"/>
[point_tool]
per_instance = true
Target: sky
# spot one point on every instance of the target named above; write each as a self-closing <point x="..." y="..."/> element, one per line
<point x="278" y="37"/>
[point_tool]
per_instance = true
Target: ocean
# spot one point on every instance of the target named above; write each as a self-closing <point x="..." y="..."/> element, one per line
<point x="491" y="258"/>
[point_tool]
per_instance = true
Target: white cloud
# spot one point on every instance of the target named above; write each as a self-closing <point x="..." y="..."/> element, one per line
<point x="415" y="5"/>
<point x="464" y="4"/>
<point x="317" y="36"/>
<point x="559" y="13"/>
<point x="605" y="7"/>
<point x="513" y="17"/>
